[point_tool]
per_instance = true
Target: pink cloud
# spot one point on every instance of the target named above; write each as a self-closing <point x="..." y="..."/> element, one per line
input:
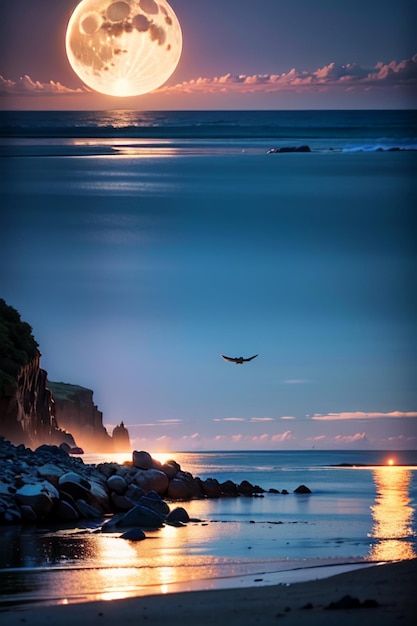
<point x="350" y="438"/>
<point x="262" y="419"/>
<point x="359" y="415"/>
<point x="283" y="436"/>
<point x="229" y="419"/>
<point x="339" y="439"/>
<point x="192" y="437"/>
<point x="406" y="70"/>
<point x="263" y="437"/>
<point x="255" y="439"/>
<point x="331" y="75"/>
<point x="349" y="76"/>
<point x="26" y="86"/>
<point x="400" y="439"/>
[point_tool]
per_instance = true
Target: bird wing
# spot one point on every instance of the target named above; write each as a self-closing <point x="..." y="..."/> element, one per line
<point x="251" y="357"/>
<point x="228" y="358"/>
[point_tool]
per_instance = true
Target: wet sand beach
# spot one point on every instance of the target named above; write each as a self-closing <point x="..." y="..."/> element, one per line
<point x="381" y="594"/>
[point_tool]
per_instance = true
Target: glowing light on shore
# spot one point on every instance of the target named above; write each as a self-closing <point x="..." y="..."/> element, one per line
<point x="162" y="457"/>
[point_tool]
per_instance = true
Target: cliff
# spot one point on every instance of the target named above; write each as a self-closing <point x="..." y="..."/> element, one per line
<point x="34" y="411"/>
<point x="76" y="412"/>
<point x="26" y="404"/>
<point x="121" y="439"/>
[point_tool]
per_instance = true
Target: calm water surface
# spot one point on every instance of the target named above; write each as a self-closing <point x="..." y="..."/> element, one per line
<point x="354" y="515"/>
<point x="212" y="166"/>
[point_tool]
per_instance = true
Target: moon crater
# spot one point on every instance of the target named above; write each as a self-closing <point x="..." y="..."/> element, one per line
<point x="123" y="48"/>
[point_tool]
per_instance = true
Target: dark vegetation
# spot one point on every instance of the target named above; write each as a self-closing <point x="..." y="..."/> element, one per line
<point x="17" y="346"/>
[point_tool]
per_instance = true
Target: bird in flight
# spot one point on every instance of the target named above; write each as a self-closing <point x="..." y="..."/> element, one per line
<point x="238" y="360"/>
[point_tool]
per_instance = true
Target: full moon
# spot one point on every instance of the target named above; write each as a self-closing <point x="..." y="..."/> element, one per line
<point x="123" y="47"/>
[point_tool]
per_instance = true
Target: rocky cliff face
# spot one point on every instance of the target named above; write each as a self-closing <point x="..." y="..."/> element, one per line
<point x="27" y="409"/>
<point x="76" y="412"/>
<point x="35" y="412"/>
<point x="121" y="439"/>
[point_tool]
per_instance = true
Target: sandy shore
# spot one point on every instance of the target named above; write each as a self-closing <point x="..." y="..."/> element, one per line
<point x="388" y="589"/>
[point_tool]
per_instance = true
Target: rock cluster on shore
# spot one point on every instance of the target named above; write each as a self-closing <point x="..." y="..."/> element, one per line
<point x="50" y="485"/>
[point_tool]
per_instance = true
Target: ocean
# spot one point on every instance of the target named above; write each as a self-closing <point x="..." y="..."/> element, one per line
<point x="362" y="510"/>
<point x="160" y="240"/>
<point x="85" y="132"/>
<point x="138" y="243"/>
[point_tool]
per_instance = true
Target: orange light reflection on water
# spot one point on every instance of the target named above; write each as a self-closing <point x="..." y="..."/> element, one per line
<point x="117" y="569"/>
<point x="392" y="514"/>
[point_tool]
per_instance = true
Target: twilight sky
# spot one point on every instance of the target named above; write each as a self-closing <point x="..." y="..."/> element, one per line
<point x="308" y="387"/>
<point x="238" y="54"/>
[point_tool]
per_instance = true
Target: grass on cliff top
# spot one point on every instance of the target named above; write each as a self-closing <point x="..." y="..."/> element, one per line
<point x="65" y="391"/>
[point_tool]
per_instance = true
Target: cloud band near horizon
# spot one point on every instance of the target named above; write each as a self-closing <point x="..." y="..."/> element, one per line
<point x="347" y="77"/>
<point x="350" y="76"/>
<point x="359" y="415"/>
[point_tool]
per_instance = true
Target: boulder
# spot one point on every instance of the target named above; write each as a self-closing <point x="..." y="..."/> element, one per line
<point x="177" y="516"/>
<point x="180" y="488"/>
<point x="75" y="489"/>
<point x="12" y="516"/>
<point x="39" y="497"/>
<point x="229" y="488"/>
<point x="141" y="517"/>
<point x="108" y="469"/>
<point x="171" y="468"/>
<point x="99" y="496"/>
<point x="134" y="534"/>
<point x="6" y="487"/>
<point x="134" y="493"/>
<point x="247" y="489"/>
<point x="87" y="510"/>
<point x="65" y="512"/>
<point x="111" y="525"/>
<point x="156" y="464"/>
<point x="142" y="460"/>
<point x="75" y="478"/>
<point x="212" y="488"/>
<point x="302" y="489"/>
<point x="120" y="502"/>
<point x="153" y="501"/>
<point x="28" y="514"/>
<point x="51" y="472"/>
<point x="152" y="480"/>
<point x="198" y="488"/>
